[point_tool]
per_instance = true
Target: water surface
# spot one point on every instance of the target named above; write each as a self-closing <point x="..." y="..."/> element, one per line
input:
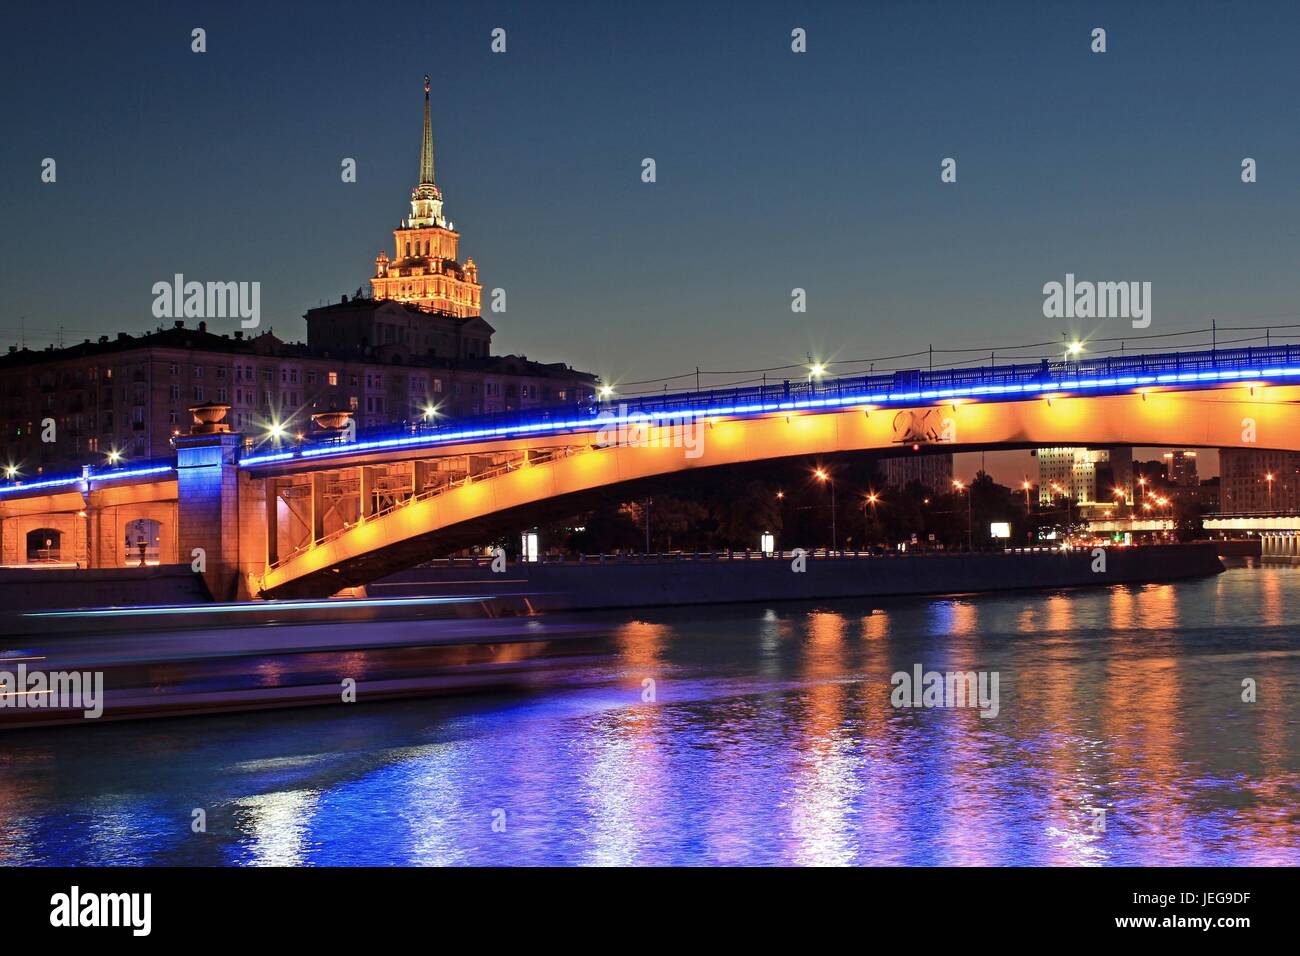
<point x="770" y="738"/>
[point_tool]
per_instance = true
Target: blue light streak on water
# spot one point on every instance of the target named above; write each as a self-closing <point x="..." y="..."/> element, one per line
<point x="261" y="608"/>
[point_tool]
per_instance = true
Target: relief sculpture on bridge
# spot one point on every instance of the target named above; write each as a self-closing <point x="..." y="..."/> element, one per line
<point x="921" y="427"/>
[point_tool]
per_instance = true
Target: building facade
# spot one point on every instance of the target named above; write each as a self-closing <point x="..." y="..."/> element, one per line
<point x="128" y="397"/>
<point x="1258" y="480"/>
<point x="1180" y="468"/>
<point x="1085" y="475"/>
<point x="930" y="471"/>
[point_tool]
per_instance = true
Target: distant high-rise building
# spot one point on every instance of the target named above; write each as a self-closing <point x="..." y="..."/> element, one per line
<point x="1074" y="472"/>
<point x="1180" y="468"/>
<point x="424" y="269"/>
<point x="931" y="471"/>
<point x="1258" y="480"/>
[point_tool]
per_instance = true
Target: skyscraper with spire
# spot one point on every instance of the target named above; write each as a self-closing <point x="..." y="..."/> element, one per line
<point x="424" y="269"/>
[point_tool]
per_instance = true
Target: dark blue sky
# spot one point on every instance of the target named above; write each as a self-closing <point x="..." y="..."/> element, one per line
<point x="775" y="170"/>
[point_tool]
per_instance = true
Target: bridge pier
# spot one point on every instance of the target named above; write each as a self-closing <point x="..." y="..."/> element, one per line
<point x="1279" y="547"/>
<point x="207" y="487"/>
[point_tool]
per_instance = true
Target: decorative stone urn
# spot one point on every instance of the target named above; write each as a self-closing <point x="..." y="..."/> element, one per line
<point x="332" y="421"/>
<point x="209" y="419"/>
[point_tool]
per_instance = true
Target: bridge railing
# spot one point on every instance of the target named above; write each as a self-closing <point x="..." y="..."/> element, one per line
<point x="740" y="554"/>
<point x="883" y="387"/>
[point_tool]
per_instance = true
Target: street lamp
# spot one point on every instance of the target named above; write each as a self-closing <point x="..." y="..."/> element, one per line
<point x="872" y="499"/>
<point x="821" y="475"/>
<point x="1269" y="479"/>
<point x="969" y="524"/>
<point x="1026" y="486"/>
<point x="816" y="370"/>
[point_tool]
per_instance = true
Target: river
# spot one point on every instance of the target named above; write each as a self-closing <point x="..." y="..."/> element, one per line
<point x="743" y="734"/>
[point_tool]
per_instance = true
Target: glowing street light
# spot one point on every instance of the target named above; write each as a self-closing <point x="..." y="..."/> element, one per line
<point x="969" y="516"/>
<point x="606" y="392"/>
<point x="870" y="498"/>
<point x="11" y="471"/>
<point x="816" y="370"/>
<point x="276" y="430"/>
<point x="114" y="456"/>
<point x="1268" y="477"/>
<point x="1074" y="349"/>
<point x="821" y="475"/>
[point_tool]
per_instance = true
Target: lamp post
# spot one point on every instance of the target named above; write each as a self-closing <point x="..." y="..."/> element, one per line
<point x="969" y="514"/>
<point x="825" y="478"/>
<point x="871" y="499"/>
<point x="1268" y="478"/>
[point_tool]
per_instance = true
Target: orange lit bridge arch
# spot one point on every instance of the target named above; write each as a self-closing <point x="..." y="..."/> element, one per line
<point x="346" y="514"/>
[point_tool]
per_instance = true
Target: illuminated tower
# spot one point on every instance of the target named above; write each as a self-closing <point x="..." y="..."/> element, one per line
<point x="424" y="270"/>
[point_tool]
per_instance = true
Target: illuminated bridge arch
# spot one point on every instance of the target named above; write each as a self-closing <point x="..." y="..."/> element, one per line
<point x="381" y="535"/>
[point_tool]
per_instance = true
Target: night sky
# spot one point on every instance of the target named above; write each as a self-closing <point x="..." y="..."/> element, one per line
<point x="775" y="170"/>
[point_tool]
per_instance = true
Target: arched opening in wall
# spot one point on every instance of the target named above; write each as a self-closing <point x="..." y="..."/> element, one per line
<point x="44" y="546"/>
<point x="143" y="541"/>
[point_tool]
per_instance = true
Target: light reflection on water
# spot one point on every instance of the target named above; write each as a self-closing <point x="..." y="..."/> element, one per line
<point x="768" y="738"/>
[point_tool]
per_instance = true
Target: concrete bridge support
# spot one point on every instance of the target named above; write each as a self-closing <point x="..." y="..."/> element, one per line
<point x="1279" y="547"/>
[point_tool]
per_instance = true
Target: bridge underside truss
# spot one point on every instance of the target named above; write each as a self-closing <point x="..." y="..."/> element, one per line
<point x="309" y="510"/>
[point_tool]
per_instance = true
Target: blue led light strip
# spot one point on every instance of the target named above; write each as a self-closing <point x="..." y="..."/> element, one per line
<point x="895" y="388"/>
<point x="1069" y="377"/>
<point x="82" y="479"/>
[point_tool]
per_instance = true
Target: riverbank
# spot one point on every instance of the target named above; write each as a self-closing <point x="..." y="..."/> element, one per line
<point x="615" y="583"/>
<point x="39" y="588"/>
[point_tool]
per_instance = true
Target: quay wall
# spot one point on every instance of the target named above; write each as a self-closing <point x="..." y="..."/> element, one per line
<point x="42" y="589"/>
<point x="681" y="580"/>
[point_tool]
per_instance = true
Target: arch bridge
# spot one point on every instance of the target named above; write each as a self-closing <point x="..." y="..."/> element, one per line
<point x="334" y="512"/>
